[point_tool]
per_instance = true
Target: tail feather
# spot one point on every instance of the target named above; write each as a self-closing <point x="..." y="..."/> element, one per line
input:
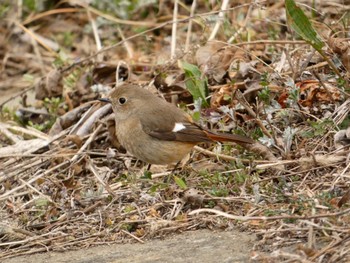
<point x="222" y="137"/>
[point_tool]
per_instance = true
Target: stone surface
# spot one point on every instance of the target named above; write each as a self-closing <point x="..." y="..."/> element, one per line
<point x="193" y="246"/>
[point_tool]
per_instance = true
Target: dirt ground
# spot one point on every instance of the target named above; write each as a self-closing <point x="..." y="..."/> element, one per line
<point x="194" y="246"/>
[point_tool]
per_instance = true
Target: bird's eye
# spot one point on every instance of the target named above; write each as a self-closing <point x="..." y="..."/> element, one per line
<point x="122" y="100"/>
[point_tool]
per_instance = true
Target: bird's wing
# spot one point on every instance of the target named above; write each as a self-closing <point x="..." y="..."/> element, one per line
<point x="175" y="125"/>
<point x="171" y="125"/>
<point x="181" y="131"/>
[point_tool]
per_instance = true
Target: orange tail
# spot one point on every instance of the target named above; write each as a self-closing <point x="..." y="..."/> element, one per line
<point x="222" y="137"/>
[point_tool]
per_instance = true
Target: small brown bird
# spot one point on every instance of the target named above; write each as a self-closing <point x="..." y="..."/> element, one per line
<point x="156" y="131"/>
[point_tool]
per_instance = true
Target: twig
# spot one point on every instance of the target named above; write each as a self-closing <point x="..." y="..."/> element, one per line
<point x="120" y="63"/>
<point x="146" y="32"/>
<point x="336" y="179"/>
<point x="17" y="95"/>
<point x="244" y="24"/>
<point x="93" y="169"/>
<point x="133" y="236"/>
<point x="322" y="251"/>
<point x="265" y="218"/>
<point x="173" y="32"/>
<point x="87" y="143"/>
<point x="96" y="35"/>
<point x="35" y="17"/>
<point x="36" y="38"/>
<point x="126" y="43"/>
<point x="10" y="136"/>
<point x="36" y="190"/>
<point x="47" y="172"/>
<point x="189" y="29"/>
<point x="272" y="42"/>
<point x="248" y="108"/>
<point x="220" y="19"/>
<point x="220" y="156"/>
<point x="92" y="119"/>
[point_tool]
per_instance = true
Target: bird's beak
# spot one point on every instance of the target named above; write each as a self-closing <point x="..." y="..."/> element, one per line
<point x="107" y="100"/>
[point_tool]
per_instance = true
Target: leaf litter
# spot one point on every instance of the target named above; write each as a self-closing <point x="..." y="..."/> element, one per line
<point x="66" y="182"/>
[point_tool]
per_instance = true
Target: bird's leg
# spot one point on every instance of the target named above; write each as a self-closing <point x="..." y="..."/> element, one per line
<point x="180" y="164"/>
<point x="168" y="178"/>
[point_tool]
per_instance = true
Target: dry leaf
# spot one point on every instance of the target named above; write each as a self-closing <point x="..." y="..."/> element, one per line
<point x="51" y="86"/>
<point x="221" y="97"/>
<point x="345" y="199"/>
<point x="67" y="119"/>
<point x="341" y="46"/>
<point x="75" y="139"/>
<point x="193" y="196"/>
<point x="106" y="73"/>
<point x="153" y="212"/>
<point x="215" y="59"/>
<point x="308" y="251"/>
<point x="140" y="232"/>
<point x="311" y="91"/>
<point x="342" y="138"/>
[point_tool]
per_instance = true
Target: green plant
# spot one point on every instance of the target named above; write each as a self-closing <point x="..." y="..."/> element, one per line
<point x="300" y="23"/>
<point x="52" y="105"/>
<point x="4" y="8"/>
<point x="38" y="5"/>
<point x="319" y="128"/>
<point x="128" y="209"/>
<point x="265" y="94"/>
<point x="345" y="124"/>
<point x="180" y="182"/>
<point x="294" y="94"/>
<point x="196" y="83"/>
<point x="219" y="192"/>
<point x="240" y="177"/>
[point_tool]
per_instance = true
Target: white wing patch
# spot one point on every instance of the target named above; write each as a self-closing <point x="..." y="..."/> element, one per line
<point x="178" y="127"/>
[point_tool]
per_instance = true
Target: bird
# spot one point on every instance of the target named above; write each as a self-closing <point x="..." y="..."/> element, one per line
<point x="156" y="131"/>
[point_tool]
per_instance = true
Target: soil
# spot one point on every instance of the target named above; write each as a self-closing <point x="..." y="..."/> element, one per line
<point x="193" y="246"/>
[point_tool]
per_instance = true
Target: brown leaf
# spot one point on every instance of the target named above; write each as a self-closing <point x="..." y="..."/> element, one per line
<point x="51" y="86"/>
<point x="140" y="232"/>
<point x="77" y="169"/>
<point x="105" y="73"/>
<point x="215" y="59"/>
<point x="311" y="91"/>
<point x="341" y="46"/>
<point x="345" y="198"/>
<point x="173" y="87"/>
<point x="193" y="196"/>
<point x="282" y="99"/>
<point x="75" y="139"/>
<point x="153" y="212"/>
<point x="70" y="183"/>
<point x="308" y="251"/>
<point x="221" y="97"/>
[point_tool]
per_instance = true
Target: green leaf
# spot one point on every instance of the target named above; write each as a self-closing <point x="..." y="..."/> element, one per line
<point x="181" y="183"/>
<point x="195" y="82"/>
<point x="299" y="22"/>
<point x="196" y="116"/>
<point x="147" y="175"/>
<point x="42" y="202"/>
